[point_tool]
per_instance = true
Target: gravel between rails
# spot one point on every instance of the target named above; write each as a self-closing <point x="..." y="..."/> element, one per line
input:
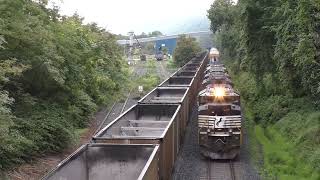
<point x="190" y="165"/>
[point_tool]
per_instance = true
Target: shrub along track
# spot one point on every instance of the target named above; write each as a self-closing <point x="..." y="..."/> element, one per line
<point x="139" y="69"/>
<point x="40" y="166"/>
<point x="37" y="168"/>
<point x="121" y="106"/>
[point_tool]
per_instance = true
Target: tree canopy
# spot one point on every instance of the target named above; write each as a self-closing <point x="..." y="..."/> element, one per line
<point x="187" y="48"/>
<point x="54" y="73"/>
<point x="273" y="50"/>
<point x="272" y="37"/>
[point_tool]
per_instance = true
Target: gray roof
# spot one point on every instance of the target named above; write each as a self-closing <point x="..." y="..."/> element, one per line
<point x="150" y="39"/>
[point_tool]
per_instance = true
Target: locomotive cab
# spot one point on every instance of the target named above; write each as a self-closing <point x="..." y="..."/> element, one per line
<point x="219" y="127"/>
<point x="214" y="55"/>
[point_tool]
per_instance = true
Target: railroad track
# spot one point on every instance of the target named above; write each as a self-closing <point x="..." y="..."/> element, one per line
<point x="216" y="170"/>
<point x="125" y="103"/>
<point x="162" y="72"/>
<point x="119" y="107"/>
<point x="116" y="109"/>
<point x="209" y="170"/>
<point x="232" y="171"/>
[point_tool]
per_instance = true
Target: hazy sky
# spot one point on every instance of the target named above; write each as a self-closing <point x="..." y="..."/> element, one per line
<point x="121" y="16"/>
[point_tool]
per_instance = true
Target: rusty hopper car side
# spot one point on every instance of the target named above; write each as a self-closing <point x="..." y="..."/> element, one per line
<point x="147" y="124"/>
<point x="198" y="76"/>
<point x="190" y="68"/>
<point x="185" y="73"/>
<point x="201" y="57"/>
<point x="116" y="162"/>
<point x="171" y="95"/>
<point x="182" y="81"/>
<point x="193" y="69"/>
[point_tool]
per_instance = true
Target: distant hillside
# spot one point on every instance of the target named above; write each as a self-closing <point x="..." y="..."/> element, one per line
<point x="193" y="25"/>
<point x="190" y="25"/>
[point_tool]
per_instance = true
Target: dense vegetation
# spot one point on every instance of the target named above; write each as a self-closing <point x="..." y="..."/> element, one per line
<point x="54" y="73"/>
<point x="273" y="50"/>
<point x="187" y="48"/>
<point x="147" y="80"/>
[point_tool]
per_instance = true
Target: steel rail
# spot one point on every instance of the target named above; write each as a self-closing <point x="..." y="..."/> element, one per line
<point x="105" y="118"/>
<point x="233" y="175"/>
<point x="125" y="103"/>
<point x="209" y="174"/>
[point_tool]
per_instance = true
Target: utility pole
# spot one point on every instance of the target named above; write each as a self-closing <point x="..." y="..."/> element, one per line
<point x="130" y="53"/>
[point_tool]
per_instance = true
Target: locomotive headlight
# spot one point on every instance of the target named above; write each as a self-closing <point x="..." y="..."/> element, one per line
<point x="219" y="91"/>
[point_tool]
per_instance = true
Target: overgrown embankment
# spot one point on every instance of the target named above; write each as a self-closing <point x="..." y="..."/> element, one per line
<point x="55" y="71"/>
<point x="272" y="51"/>
<point x="144" y="74"/>
<point x="286" y="128"/>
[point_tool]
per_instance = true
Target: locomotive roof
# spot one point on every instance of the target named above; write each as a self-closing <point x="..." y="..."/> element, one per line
<point x="214" y="51"/>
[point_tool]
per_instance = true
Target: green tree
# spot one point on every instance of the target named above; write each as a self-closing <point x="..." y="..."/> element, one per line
<point x="149" y="48"/>
<point x="155" y="34"/>
<point x="187" y="48"/>
<point x="221" y="12"/>
<point x="272" y="49"/>
<point x="54" y="73"/>
<point x="165" y="50"/>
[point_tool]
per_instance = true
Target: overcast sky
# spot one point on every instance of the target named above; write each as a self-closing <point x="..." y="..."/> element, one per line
<point x="121" y="16"/>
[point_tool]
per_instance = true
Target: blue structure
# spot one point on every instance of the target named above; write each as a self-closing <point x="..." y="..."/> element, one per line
<point x="170" y="44"/>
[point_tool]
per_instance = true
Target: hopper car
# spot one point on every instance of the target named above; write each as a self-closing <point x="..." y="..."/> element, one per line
<point x="143" y="142"/>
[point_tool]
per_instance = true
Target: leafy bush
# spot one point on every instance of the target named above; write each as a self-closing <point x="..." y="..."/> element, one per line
<point x="272" y="50"/>
<point x="149" y="81"/>
<point x="187" y="48"/>
<point x="54" y="73"/>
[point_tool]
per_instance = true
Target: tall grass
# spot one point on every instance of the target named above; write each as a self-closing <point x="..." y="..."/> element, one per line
<point x="283" y="129"/>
